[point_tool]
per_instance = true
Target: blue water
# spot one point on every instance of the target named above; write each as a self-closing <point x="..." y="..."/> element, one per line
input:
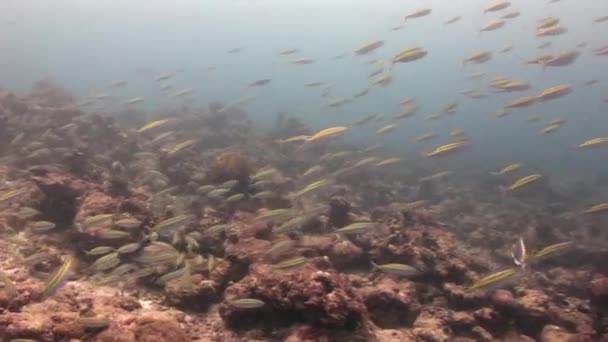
<point x="85" y="45"/>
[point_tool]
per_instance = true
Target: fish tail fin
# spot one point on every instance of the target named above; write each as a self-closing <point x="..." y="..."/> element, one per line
<point x="374" y="265"/>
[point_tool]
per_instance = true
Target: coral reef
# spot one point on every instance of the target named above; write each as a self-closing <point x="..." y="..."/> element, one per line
<point x="179" y="241"/>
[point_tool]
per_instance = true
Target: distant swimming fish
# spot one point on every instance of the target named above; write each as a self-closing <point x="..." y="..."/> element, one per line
<point x="594" y="142"/>
<point x="418" y="13"/>
<point x="508" y="169"/>
<point x="492" y="25"/>
<point x="368" y="47"/>
<point x="303" y="61"/>
<point x="332" y="131"/>
<point x="163" y="77"/>
<point x="183" y="92"/>
<point x="523" y="182"/>
<point x="288" y="52"/>
<point x="453" y="20"/>
<point x="497" y="6"/>
<point x="260" y="82"/>
<point x="134" y="100"/>
<point x="444" y="149"/>
<point x="398" y="269"/>
<point x="118" y="84"/>
<point x="387" y="129"/>
<point x="494" y="280"/>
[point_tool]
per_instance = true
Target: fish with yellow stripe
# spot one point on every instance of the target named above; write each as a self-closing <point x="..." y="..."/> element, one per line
<point x="594" y="142"/>
<point x="523" y="182"/>
<point x="597" y="208"/>
<point x="507" y="169"/>
<point x="447" y="148"/>
<point x="327" y="132"/>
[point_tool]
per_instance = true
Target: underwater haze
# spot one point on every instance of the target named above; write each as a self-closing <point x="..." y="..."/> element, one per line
<point x="402" y="170"/>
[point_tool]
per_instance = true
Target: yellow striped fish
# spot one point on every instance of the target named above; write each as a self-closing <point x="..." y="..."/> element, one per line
<point x="522" y="182"/>
<point x="152" y="124"/>
<point x="444" y="149"/>
<point x="56" y="280"/>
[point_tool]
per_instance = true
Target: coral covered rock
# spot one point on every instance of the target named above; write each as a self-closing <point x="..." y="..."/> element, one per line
<point x="323" y="299"/>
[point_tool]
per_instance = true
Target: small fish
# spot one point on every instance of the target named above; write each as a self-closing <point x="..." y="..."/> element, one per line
<point x="554" y="30"/>
<point x="553" y="249"/>
<point x="492" y="25"/>
<point x="409" y="55"/>
<point x="290" y="263"/>
<point x="134" y="100"/>
<point x="522" y="102"/>
<point x="106" y="262"/>
<point x="510" y="15"/>
<point x="547" y="22"/>
<point x="235" y="198"/>
<point x="290" y="225"/>
<point x="172" y="223"/>
<point x="259" y="83"/>
<point x="507" y="169"/>
<point x="57" y="278"/>
<point x="26" y="213"/>
<point x="398" y="269"/>
<point x="218" y="193"/>
<point x="10" y="196"/>
<point x="594" y="142"/>
<point x="443" y="149"/>
<point x="172" y="275"/>
<point x="389" y="161"/>
<point x="519" y="254"/>
<point x="356" y="228"/>
<point x="280" y="248"/>
<point x="312" y="186"/>
<point x="288" y="52"/>
<point x="494" y="280"/>
<point x="426" y="137"/>
<point x="247" y="303"/>
<point x="497" y="6"/>
<point x="112" y="234"/>
<point x="598" y="208"/>
<point x="153" y="124"/>
<point x="452" y="20"/>
<point x="550" y="128"/>
<point x="128" y="223"/>
<point x="163" y="77"/>
<point x="180" y="147"/>
<point x="264" y="195"/>
<point x="368" y="47"/>
<point x="314" y="84"/>
<point x="418" y="13"/>
<point x="100" y="250"/>
<point x="601" y="19"/>
<point x="303" y="61"/>
<point x="313" y="170"/>
<point x="183" y="92"/>
<point x="332" y="131"/>
<point x="435" y="176"/>
<point x="41" y="226"/>
<point x="524" y="181"/>
<point x="386" y="129"/>
<point x="129" y="248"/>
